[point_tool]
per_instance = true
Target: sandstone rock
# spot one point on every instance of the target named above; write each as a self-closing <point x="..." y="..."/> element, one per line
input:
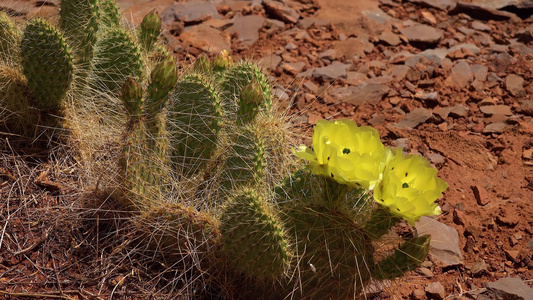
<point x="497" y="127"/>
<point x="247" y="28"/>
<point x="270" y="61"/>
<point x="389" y="38"/>
<point x="422" y="34"/>
<point x="496" y="110"/>
<point x="515" y="85"/>
<point x="414" y="118"/>
<point x="281" y="11"/>
<point x="440" y="4"/>
<point x="509" y="288"/>
<point x="479" y="268"/>
<point x="355" y="78"/>
<point x="526" y="107"/>
<point x="206" y="38"/>
<point x="293" y="68"/>
<point x="360" y="94"/>
<point x="444" y="246"/>
<point x="482" y="11"/>
<point x="481" y="195"/>
<point x="332" y="72"/>
<point x="460" y="76"/>
<point x="428" y="17"/>
<point x="477" y="25"/>
<point x="190" y="13"/>
<point x="435" y="290"/>
<point x="352" y="47"/>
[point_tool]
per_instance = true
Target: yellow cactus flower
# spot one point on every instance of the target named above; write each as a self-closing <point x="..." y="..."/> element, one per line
<point x="345" y="152"/>
<point x="410" y="187"/>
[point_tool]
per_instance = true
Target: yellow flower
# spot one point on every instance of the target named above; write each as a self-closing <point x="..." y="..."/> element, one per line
<point x="410" y="187"/>
<point x="345" y="152"/>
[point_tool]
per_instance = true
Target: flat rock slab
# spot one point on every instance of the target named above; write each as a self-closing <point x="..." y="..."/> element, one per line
<point x="420" y="33"/>
<point x="444" y="245"/>
<point x="247" y="28"/>
<point x="509" y="288"/>
<point x="332" y="72"/>
<point x="206" y="38"/>
<point x="439" y="4"/>
<point x="414" y="118"/>
<point x="363" y="93"/>
<point x="460" y="76"/>
<point x="496" y="110"/>
<point x="515" y="85"/>
<point x="497" y="4"/>
<point x="281" y="11"/>
<point x="190" y="13"/>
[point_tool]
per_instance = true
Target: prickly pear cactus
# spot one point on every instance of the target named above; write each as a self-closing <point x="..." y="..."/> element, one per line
<point x="47" y="63"/>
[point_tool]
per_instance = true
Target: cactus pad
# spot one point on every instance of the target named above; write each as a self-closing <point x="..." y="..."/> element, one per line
<point x="47" y="63"/>
<point x="245" y="162"/>
<point x="253" y="238"/>
<point x="150" y="30"/>
<point x="195" y="117"/>
<point x="163" y="79"/>
<point x="116" y="57"/>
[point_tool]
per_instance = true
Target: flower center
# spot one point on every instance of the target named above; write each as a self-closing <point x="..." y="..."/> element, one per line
<point x="405" y="185"/>
<point x="345" y="151"/>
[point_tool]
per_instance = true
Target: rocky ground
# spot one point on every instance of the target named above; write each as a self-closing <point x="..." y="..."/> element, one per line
<point x="450" y="80"/>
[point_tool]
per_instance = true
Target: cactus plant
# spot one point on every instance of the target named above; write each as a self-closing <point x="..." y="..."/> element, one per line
<point x="309" y="234"/>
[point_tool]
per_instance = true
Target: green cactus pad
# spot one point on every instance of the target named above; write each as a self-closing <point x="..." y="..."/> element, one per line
<point x="110" y="16"/>
<point x="253" y="238"/>
<point x="335" y="256"/>
<point x="250" y="101"/>
<point x="47" y="63"/>
<point x="116" y="57"/>
<point x="162" y="81"/>
<point x="131" y="95"/>
<point x="9" y="39"/>
<point x="143" y="169"/>
<point x="149" y="30"/>
<point x="406" y="258"/>
<point x="245" y="162"/>
<point x="237" y="78"/>
<point x="195" y="116"/>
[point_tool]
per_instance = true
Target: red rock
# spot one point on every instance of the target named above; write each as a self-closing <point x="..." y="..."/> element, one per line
<point x="481" y="195"/>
